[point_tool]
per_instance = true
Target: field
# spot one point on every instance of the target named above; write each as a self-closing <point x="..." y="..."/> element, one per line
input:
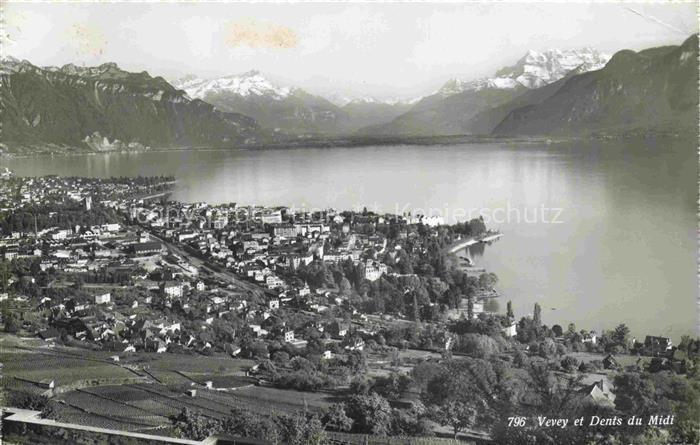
<point x="167" y="368"/>
<point x="144" y="407"/>
<point x="64" y="370"/>
<point x="263" y="399"/>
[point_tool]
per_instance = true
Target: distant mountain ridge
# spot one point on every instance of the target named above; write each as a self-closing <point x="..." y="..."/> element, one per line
<point x="282" y="109"/>
<point x="288" y="109"/>
<point x="550" y="93"/>
<point x="653" y="89"/>
<point x="451" y="108"/>
<point x="105" y="107"/>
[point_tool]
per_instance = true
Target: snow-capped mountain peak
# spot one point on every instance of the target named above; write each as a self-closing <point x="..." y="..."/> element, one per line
<point x="342" y="100"/>
<point x="534" y="70"/>
<point x="537" y="69"/>
<point x="248" y="84"/>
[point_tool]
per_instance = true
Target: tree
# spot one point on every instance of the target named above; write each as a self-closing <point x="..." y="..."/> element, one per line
<point x="371" y="414"/>
<point x="26" y="400"/>
<point x="337" y="419"/>
<point x="547" y="348"/>
<point x="477" y="345"/>
<point x="4" y="276"/>
<point x="280" y="358"/>
<point x="620" y="335"/>
<point x="11" y="322"/>
<point x="488" y="280"/>
<point x="456" y="414"/>
<point x="391" y="386"/>
<point x="470" y="307"/>
<point x="537" y="315"/>
<point x="634" y="394"/>
<point x="411" y="422"/>
<point x="359" y="385"/>
<point x="468" y="384"/>
<point x="557" y="330"/>
<point x="569" y="363"/>
<point x="300" y="429"/>
<point x="509" y="310"/>
<point x="194" y="425"/>
<point x="247" y="424"/>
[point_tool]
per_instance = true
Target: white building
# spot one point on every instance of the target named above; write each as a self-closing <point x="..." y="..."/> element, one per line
<point x="374" y="270"/>
<point x="289" y="336"/>
<point x="103" y="299"/>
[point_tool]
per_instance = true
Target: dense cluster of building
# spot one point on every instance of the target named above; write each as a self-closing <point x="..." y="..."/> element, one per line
<point x="191" y="261"/>
<point x="158" y="274"/>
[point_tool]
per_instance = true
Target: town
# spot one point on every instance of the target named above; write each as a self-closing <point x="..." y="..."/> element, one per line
<point x="131" y="313"/>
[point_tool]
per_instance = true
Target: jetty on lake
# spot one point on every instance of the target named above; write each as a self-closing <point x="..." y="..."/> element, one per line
<point x="464" y="243"/>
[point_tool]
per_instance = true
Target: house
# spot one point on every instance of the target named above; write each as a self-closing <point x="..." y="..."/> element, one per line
<point x="156" y="345"/>
<point x="590" y="337"/>
<point x="599" y="392"/>
<point x="113" y="227"/>
<point x="304" y="291"/>
<point x="340" y="329"/>
<point x="284" y="230"/>
<point x="657" y="345"/>
<point x="220" y="222"/>
<point x="289" y="336"/>
<point x="298" y="343"/>
<point x="273" y="304"/>
<point x="147" y="248"/>
<point x="327" y="354"/>
<point x="232" y="349"/>
<point x="510" y="331"/>
<point x="103" y="298"/>
<point x="273" y="217"/>
<point x="172" y="289"/>
<point x="49" y="334"/>
<point x="374" y="270"/>
<point x="72" y="326"/>
<point x="356" y="344"/>
<point x="273" y="281"/>
<point x="609" y="362"/>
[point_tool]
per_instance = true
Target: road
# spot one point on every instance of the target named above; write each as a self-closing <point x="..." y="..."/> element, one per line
<point x="216" y="271"/>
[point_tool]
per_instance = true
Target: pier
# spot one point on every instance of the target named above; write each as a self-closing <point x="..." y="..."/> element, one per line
<point x="487" y="237"/>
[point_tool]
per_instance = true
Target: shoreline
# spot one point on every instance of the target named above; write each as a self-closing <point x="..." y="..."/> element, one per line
<point x="318" y="143"/>
<point x="487" y="237"/>
<point x="52" y="150"/>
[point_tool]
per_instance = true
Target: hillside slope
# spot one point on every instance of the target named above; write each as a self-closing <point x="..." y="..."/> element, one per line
<point x="654" y="89"/>
<point x="106" y="108"/>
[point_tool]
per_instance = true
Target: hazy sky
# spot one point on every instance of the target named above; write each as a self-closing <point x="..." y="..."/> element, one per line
<point x="390" y="49"/>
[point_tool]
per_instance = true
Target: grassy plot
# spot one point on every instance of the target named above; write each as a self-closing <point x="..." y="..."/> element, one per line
<point x="264" y="399"/>
<point x="63" y="370"/>
<point x="70" y="414"/>
<point x="102" y="406"/>
<point x="182" y="369"/>
<point x="220" y="381"/>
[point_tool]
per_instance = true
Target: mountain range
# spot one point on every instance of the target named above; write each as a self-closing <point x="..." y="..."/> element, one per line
<point x="451" y="109"/>
<point x="287" y="109"/>
<point x="654" y="89"/>
<point x="554" y="92"/>
<point x="107" y="108"/>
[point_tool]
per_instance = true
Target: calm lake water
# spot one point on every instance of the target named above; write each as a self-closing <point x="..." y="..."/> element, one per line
<point x="616" y="241"/>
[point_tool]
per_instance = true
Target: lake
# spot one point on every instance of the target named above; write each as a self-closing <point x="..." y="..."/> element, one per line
<point x="598" y="233"/>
